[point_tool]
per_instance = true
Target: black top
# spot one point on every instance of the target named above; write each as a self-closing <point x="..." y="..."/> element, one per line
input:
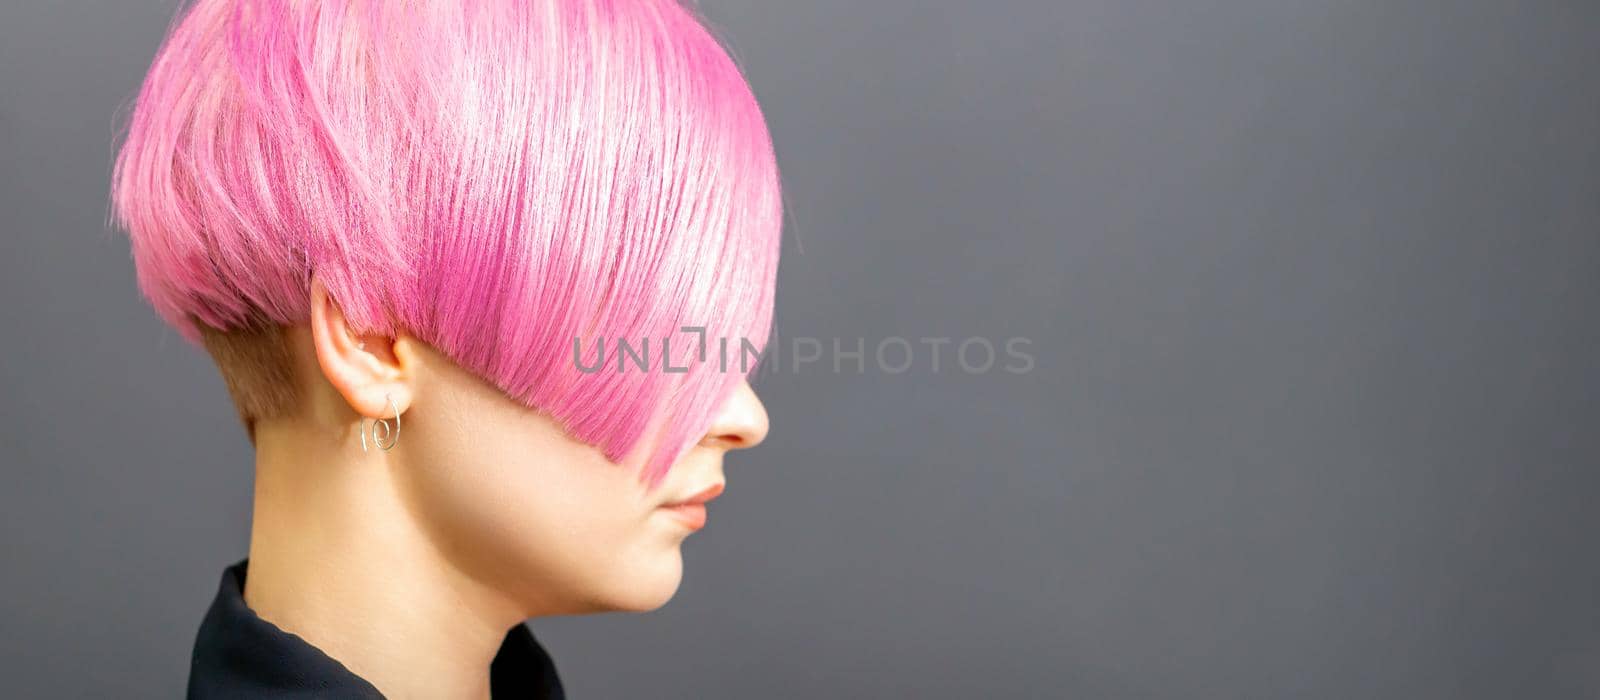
<point x="240" y="655"/>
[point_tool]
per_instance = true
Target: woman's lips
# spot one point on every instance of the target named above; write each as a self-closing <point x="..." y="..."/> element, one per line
<point x="692" y="511"/>
<point x="692" y="515"/>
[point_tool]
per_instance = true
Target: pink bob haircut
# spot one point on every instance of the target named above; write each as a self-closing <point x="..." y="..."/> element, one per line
<point x="498" y="178"/>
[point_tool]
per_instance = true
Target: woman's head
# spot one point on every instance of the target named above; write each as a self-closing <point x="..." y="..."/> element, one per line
<point x="517" y="190"/>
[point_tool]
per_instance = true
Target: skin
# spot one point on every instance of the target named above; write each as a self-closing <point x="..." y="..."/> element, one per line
<point x="410" y="565"/>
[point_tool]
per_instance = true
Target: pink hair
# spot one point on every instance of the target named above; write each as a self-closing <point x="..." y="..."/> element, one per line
<point x="497" y="178"/>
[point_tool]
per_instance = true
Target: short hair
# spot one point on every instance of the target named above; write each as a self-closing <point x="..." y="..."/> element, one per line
<point x="498" y="178"/>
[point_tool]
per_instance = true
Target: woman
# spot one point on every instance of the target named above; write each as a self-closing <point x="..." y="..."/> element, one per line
<point x="470" y="271"/>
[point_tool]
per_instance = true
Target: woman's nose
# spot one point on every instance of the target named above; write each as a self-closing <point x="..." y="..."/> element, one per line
<point x="740" y="423"/>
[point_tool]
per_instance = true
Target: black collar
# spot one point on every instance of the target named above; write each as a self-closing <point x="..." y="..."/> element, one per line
<point x="240" y="655"/>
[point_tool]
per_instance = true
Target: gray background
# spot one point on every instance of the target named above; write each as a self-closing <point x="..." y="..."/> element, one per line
<point x="1312" y="293"/>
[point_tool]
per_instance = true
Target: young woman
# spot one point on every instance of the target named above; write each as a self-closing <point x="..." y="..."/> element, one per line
<point x="484" y="279"/>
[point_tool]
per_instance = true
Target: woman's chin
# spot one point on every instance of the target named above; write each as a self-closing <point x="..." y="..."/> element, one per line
<point x="653" y="590"/>
<point x="643" y="590"/>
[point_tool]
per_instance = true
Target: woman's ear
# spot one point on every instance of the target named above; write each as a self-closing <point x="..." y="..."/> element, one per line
<point x="365" y="369"/>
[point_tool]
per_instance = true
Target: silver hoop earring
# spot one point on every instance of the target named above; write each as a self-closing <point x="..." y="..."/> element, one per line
<point x="388" y="436"/>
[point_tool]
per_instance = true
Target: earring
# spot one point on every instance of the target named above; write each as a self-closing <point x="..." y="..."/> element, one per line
<point x="387" y="437"/>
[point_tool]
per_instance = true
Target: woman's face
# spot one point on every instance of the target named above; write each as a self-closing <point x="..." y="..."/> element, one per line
<point x="519" y="505"/>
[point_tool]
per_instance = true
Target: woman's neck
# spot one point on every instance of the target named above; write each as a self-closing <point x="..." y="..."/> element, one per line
<point x="337" y="559"/>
